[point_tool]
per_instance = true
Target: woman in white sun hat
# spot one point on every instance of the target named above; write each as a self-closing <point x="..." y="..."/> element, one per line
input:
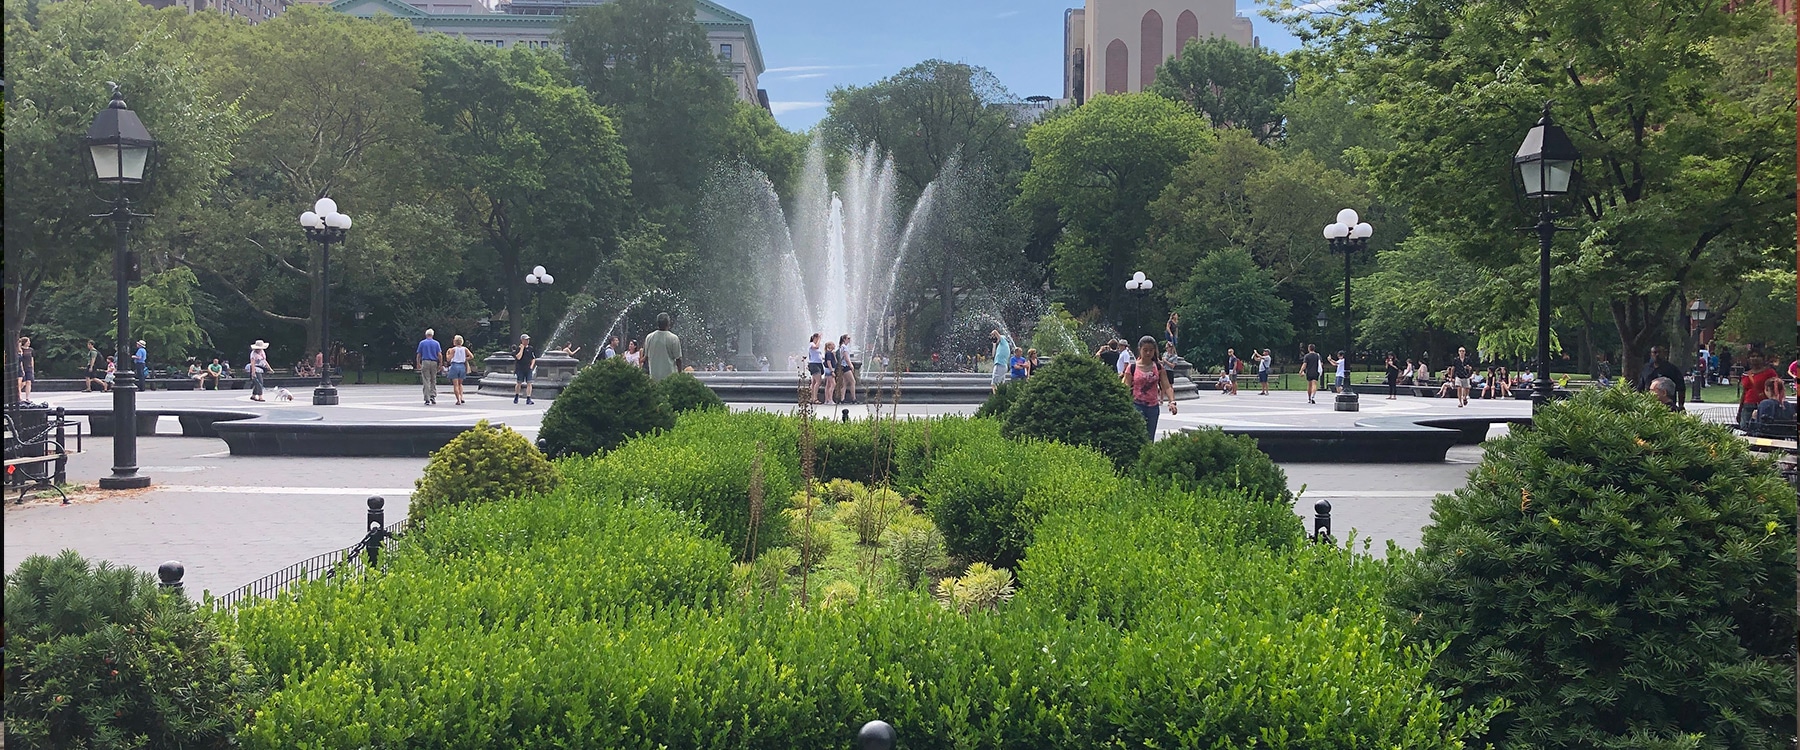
<point x="259" y="364"/>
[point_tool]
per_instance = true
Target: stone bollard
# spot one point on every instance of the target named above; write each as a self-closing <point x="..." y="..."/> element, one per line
<point x="377" y="529"/>
<point x="875" y="735"/>
<point x="170" y="574"/>
<point x="1322" y="521"/>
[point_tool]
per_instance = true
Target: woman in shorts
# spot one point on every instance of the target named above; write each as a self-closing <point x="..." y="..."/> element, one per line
<point x="459" y="357"/>
<point x="815" y="365"/>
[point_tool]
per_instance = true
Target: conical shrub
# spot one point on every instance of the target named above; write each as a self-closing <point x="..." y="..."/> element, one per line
<point x="1080" y="401"/>
<point x="606" y="404"/>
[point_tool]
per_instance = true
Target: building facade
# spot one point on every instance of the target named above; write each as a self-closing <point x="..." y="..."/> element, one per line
<point x="1115" y="46"/>
<point x="254" y="11"/>
<point x="533" y="24"/>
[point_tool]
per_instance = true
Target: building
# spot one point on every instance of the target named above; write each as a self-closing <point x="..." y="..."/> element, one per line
<point x="1115" y="46"/>
<point x="533" y="24"/>
<point x="254" y="11"/>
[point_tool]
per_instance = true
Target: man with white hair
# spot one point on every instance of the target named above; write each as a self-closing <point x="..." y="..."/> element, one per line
<point x="428" y="359"/>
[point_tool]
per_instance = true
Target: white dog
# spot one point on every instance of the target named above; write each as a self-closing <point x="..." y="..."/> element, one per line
<point x="282" y="394"/>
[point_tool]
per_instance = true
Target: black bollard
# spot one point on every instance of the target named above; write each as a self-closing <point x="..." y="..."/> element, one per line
<point x="376" y="513"/>
<point x="377" y="529"/>
<point x="170" y="574"/>
<point x="875" y="735"/>
<point x="1322" y="521"/>
<point x="846" y="415"/>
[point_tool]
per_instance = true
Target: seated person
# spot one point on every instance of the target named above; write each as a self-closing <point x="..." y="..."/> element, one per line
<point x="1502" y="383"/>
<point x="1774" y="409"/>
<point x="1478" y="386"/>
<point x="214" y="371"/>
<point x="1448" y="389"/>
<point x="196" y="373"/>
<point x="1667" y="392"/>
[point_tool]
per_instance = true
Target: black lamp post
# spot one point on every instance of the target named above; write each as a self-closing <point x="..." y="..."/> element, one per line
<point x="1546" y="162"/>
<point x="120" y="146"/>
<point x="1697" y="313"/>
<point x="537" y="281"/>
<point x="1348" y="236"/>
<point x="324" y="225"/>
<point x="1140" y="287"/>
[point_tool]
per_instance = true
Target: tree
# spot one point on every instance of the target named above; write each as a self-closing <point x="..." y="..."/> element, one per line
<point x="61" y="55"/>
<point x="1233" y="85"/>
<point x="538" y="165"/>
<point x="162" y="310"/>
<point x="1229" y="302"/>
<point x="1100" y="166"/>
<point x="1684" y="115"/>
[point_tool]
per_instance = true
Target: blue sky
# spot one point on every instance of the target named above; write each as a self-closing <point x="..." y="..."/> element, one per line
<point x="813" y="46"/>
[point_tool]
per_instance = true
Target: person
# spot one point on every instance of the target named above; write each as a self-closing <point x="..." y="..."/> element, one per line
<point x="612" y="348"/>
<point x="1393" y="378"/>
<point x="112" y="371"/>
<point x="829" y="358"/>
<point x="1712" y="364"/>
<point x="91" y="374"/>
<point x="1724" y="368"/>
<point x="458" y="357"/>
<point x="1659" y="367"/>
<point x="524" y="364"/>
<point x="1002" y="354"/>
<point x="1753" y="385"/>
<point x="1666" y="391"/>
<point x="634" y="355"/>
<point x="27" y="369"/>
<point x="569" y="349"/>
<point x="428" y="358"/>
<point x="1408" y="376"/>
<point x="1031" y="362"/>
<point x="1463" y="370"/>
<point x="1172" y="329"/>
<point x="257" y="367"/>
<point x="662" y="349"/>
<point x="214" y="373"/>
<point x="1263" y="359"/>
<point x="1604" y="372"/>
<point x="140" y="362"/>
<point x="1341" y="365"/>
<point x="846" y="371"/>
<point x="1228" y="378"/>
<point x="1310" y="367"/>
<point x="1503" y="383"/>
<point x="1774" y="407"/>
<point x="1018" y="367"/>
<point x="815" y="365"/>
<point x="1109" y="354"/>
<point x="196" y="373"/>
<point x="1702" y="366"/>
<point x="1125" y="357"/>
<point x="1149" y="384"/>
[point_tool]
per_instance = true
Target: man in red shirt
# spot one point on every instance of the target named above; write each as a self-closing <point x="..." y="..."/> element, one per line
<point x="1757" y="375"/>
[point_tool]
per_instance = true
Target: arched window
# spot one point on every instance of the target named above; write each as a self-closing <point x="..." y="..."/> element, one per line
<point x="1150" y="49"/>
<point x="1116" y="60"/>
<point x="1187" y="28"/>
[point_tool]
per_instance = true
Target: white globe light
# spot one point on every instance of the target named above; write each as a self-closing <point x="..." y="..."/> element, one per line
<point x="1147" y="284"/>
<point x="1139" y="276"/>
<point x="537" y="270"/>
<point x="548" y="279"/>
<point x="336" y="220"/>
<point x="309" y="219"/>
<point x="1347" y="217"/>
<point x="325" y="207"/>
<point x="346" y="221"/>
<point x="531" y="278"/>
<point x="1362" y="231"/>
<point x="1337" y="231"/>
<point x="1328" y="228"/>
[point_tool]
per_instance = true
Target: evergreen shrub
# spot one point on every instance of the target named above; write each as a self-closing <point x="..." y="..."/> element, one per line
<point x="683" y="392"/>
<point x="1079" y="401"/>
<point x="1620" y="575"/>
<point x="481" y="464"/>
<point x="606" y="404"/>
<point x="1208" y="458"/>
<point x="98" y="657"/>
<point x="1002" y="399"/>
<point x="987" y="497"/>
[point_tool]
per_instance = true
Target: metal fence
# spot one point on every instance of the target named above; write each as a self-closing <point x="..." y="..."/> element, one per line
<point x="339" y="564"/>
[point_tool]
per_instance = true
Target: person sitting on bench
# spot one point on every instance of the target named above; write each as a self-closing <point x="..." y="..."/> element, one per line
<point x="214" y="372"/>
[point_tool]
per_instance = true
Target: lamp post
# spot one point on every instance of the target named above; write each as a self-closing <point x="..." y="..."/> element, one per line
<point x="120" y="147"/>
<point x="537" y="281"/>
<point x="1546" y="162"/>
<point x="1348" y="235"/>
<point x="324" y="225"/>
<point x="1140" y="287"/>
<point x="1697" y="313"/>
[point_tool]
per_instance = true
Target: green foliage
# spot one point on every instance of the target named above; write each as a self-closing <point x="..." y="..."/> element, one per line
<point x="480" y="465"/>
<point x="981" y="588"/>
<point x="996" y="405"/>
<point x="1235" y="86"/>
<point x="684" y="392"/>
<point x="870" y="512"/>
<point x="1077" y="400"/>
<point x="606" y="404"/>
<point x="987" y="497"/>
<point x="916" y="546"/>
<point x="1207" y="458"/>
<point x="1621" y="576"/>
<point x="162" y="314"/>
<point x="99" y="657"/>
<point x="1230" y="303"/>
<point x="1058" y="333"/>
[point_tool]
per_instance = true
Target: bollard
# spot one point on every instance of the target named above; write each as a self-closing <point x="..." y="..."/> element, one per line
<point x="1322" y="521"/>
<point x="170" y="573"/>
<point x="377" y="529"/>
<point x="376" y="513"/>
<point x="846" y="415"/>
<point x="62" y="452"/>
<point x="875" y="735"/>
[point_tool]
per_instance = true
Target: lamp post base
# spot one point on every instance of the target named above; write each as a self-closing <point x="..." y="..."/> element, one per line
<point x="132" y="482"/>
<point x="1346" y="402"/>
<point x="325" y="396"/>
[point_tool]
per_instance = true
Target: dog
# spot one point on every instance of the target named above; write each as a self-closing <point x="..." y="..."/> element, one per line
<point x="282" y="394"/>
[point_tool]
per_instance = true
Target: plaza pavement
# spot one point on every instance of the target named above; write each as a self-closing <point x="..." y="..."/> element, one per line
<point x="231" y="520"/>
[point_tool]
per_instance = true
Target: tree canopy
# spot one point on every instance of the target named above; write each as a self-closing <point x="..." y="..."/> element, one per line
<point x="1233" y="85"/>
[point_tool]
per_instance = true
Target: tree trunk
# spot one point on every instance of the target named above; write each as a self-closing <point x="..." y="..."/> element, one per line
<point x="1639" y="321"/>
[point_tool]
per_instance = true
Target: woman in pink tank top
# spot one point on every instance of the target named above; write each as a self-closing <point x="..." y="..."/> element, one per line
<point x="1149" y="383"/>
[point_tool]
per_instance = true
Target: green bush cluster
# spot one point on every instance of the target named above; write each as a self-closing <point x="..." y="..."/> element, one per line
<point x="479" y="465"/>
<point x="1079" y="401"/>
<point x="1621" y="576"/>
<point x="683" y="392"/>
<point x="1208" y="458"/>
<point x="98" y="657"/>
<point x="607" y="403"/>
<point x="1001" y="400"/>
<point x="987" y="496"/>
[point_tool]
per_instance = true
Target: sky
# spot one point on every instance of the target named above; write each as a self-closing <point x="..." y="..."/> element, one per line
<point x="812" y="46"/>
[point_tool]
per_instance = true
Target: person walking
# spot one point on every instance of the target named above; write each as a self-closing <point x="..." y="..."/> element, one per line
<point x="428" y="358"/>
<point x="27" y="369"/>
<point x="846" y="371"/>
<point x="662" y="349"/>
<point x="459" y="357"/>
<point x="524" y="364"/>
<point x="1172" y="330"/>
<point x="612" y="348"/>
<point x="829" y="357"/>
<point x="1125" y="356"/>
<point x="1228" y="380"/>
<point x="1310" y="367"/>
<point x="112" y="371"/>
<point x="1753" y="386"/>
<point x="257" y="367"/>
<point x="1148" y="380"/>
<point x="1002" y="354"/>
<point x="1462" y="369"/>
<point x="1393" y="378"/>
<point x="140" y="363"/>
<point x="91" y="375"/>
<point x="815" y="365"/>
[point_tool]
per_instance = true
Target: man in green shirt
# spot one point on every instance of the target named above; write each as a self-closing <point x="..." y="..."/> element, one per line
<point x="662" y="350"/>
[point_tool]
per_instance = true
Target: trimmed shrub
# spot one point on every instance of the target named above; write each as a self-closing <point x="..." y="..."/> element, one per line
<point x="1621" y="575"/>
<point x="1079" y="401"/>
<point x="684" y="392"/>
<point x="981" y="588"/>
<point x="98" y="657"/>
<point x="481" y="464"/>
<point x="606" y="404"/>
<point x="1002" y="399"/>
<point x="1209" y="458"/>
<point x="916" y="546"/>
<point x="986" y="497"/>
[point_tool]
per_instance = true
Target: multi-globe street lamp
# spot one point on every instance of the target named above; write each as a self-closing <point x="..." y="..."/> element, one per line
<point x="1347" y="236"/>
<point x="1546" y="162"/>
<point x="1139" y="286"/>
<point x="121" y="147"/>
<point x="538" y="281"/>
<point x="324" y="225"/>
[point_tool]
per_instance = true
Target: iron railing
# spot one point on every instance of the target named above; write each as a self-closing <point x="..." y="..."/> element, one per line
<point x="338" y="564"/>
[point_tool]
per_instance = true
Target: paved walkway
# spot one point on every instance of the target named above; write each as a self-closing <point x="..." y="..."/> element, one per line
<point x="234" y="519"/>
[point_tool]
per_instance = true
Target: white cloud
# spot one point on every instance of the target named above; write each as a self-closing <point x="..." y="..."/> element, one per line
<point x="804" y="68"/>
<point x="1319" y="6"/>
<point x="801" y="76"/>
<point x="782" y="108"/>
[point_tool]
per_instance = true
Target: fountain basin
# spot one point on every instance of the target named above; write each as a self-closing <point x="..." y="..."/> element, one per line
<point x="914" y="388"/>
<point x="552" y="374"/>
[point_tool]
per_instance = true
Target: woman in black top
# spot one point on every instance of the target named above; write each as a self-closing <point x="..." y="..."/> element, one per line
<point x="1393" y="378"/>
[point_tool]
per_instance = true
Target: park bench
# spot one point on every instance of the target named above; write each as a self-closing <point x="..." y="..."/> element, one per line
<point x="30" y="447"/>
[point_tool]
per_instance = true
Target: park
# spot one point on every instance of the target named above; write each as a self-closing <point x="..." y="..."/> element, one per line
<point x="554" y="386"/>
